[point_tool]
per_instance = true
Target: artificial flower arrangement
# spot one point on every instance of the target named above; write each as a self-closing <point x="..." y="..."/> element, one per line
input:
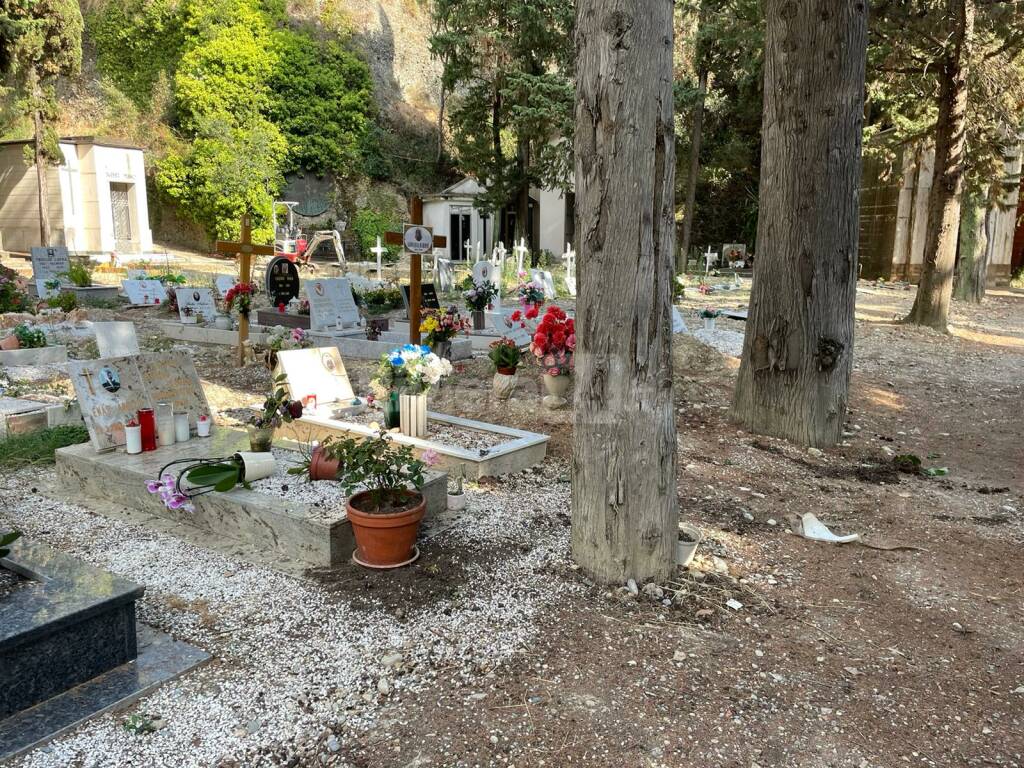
<point x="413" y="369"/>
<point x="442" y="325"/>
<point x="709" y="313"/>
<point x="554" y="342"/>
<point x="304" y="306"/>
<point x="531" y="298"/>
<point x="481" y="296"/>
<point x="239" y="298"/>
<point x="705" y="289"/>
<point x="505" y="355"/>
<point x="279" y="338"/>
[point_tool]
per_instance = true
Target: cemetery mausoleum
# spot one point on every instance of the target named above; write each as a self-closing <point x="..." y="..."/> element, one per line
<point x="97" y="198"/>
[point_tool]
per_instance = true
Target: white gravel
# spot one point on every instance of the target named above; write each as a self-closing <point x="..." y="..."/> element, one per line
<point x="725" y="341"/>
<point x="468" y="439"/>
<point x="295" y="663"/>
<point x="324" y="494"/>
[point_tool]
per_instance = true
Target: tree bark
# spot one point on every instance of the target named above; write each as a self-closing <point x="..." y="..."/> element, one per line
<point x="977" y="234"/>
<point x="39" y="155"/>
<point x="625" y="513"/>
<point x="795" y="372"/>
<point x="935" y="288"/>
<point x="696" y="134"/>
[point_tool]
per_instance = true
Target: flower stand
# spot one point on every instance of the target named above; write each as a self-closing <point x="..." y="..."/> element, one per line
<point x="413" y="415"/>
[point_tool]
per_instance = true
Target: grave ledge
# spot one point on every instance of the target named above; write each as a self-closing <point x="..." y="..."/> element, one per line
<point x="296" y="530"/>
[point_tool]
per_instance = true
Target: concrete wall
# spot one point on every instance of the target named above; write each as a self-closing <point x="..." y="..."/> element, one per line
<point x="19" y="202"/>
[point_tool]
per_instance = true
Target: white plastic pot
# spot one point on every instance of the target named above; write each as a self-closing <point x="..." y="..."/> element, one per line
<point x="709" y="323"/>
<point x="203" y="427"/>
<point x="256" y="466"/>
<point x="456" y="501"/>
<point x="685" y="550"/>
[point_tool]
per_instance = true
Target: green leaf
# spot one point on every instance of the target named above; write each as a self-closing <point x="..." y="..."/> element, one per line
<point x="223" y="477"/>
<point x="935" y="471"/>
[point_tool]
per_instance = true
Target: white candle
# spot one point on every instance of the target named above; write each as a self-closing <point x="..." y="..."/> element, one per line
<point x="181" y="428"/>
<point x="133" y="439"/>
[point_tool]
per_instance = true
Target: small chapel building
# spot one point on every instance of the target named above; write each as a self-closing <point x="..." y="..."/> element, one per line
<point x="97" y="198"/>
<point x="453" y="213"/>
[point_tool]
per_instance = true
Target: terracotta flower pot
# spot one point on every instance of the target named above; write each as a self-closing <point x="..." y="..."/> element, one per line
<point x="10" y="342"/>
<point x="321" y="466"/>
<point x="507" y="371"/>
<point x="388" y="540"/>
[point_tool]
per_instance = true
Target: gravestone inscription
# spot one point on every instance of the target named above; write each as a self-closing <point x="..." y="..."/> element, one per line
<point x="282" y="280"/>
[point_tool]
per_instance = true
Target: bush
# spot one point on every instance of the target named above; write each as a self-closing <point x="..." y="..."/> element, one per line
<point x="382" y="299"/>
<point x="12" y="298"/>
<point x="30" y="338"/>
<point x="64" y="302"/>
<point x="369" y="225"/>
<point x="79" y="274"/>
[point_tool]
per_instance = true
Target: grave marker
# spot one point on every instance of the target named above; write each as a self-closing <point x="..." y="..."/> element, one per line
<point x="244" y="250"/>
<point x="379" y="251"/>
<point x="428" y="298"/>
<point x="445" y="274"/>
<point x="112" y="390"/>
<point x="570" y="269"/>
<point x="331" y="304"/>
<point x="415" y="266"/>
<point x="521" y="252"/>
<point x="143" y="293"/>
<point x="193" y="302"/>
<point x="318" y="372"/>
<point x="116" y="339"/>
<point x="282" y="280"/>
<point x="224" y="283"/>
<point x="483" y="272"/>
<point x="544" y="279"/>
<point x="49" y="263"/>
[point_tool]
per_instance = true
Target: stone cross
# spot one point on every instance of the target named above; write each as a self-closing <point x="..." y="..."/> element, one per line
<point x="520" y="251"/>
<point x="479" y="251"/>
<point x="244" y="249"/>
<point x="570" y="269"/>
<point x="379" y="250"/>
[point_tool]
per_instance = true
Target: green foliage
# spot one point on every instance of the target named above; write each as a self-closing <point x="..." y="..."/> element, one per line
<point x="6" y="540"/>
<point x="12" y="298"/>
<point x="511" y="66"/>
<point x="370" y="224"/>
<point x="79" y="274"/>
<point x="504" y="353"/>
<point x="40" y="41"/>
<point x="376" y="464"/>
<point x="136" y="41"/>
<point x="65" y="302"/>
<point x="36" y="448"/>
<point x="30" y="338"/>
<point x="322" y="99"/>
<point x="220" y="477"/>
<point x="382" y="299"/>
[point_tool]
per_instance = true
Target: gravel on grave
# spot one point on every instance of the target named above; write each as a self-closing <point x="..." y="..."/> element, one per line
<point x="301" y="670"/>
<point x="322" y="494"/>
<point x="467" y="439"/>
<point x="10" y="581"/>
<point x="725" y="341"/>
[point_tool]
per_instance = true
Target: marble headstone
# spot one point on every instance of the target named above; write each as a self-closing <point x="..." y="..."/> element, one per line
<point x="48" y="263"/>
<point x="319" y="372"/>
<point x="544" y="279"/>
<point x="282" y="283"/>
<point x="116" y="339"/>
<point x="678" y="323"/>
<point x="144" y="292"/>
<point x="224" y="283"/>
<point x="112" y="390"/>
<point x="193" y="302"/>
<point x="331" y="304"/>
<point x="445" y="275"/>
<point x="483" y="272"/>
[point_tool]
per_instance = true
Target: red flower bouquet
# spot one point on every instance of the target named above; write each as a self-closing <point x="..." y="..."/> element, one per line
<point x="554" y="342"/>
<point x="239" y="298"/>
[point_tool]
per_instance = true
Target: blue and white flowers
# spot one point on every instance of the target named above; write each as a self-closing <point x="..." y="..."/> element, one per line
<point x="412" y="369"/>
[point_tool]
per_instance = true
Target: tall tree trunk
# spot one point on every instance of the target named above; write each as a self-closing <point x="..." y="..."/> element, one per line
<point x="624" y="440"/>
<point x="523" y="200"/>
<point x="696" y="135"/>
<point x="497" y="155"/>
<point x="41" y="162"/>
<point x="795" y="372"/>
<point x="440" y="127"/>
<point x="935" y="288"/>
<point x="977" y="235"/>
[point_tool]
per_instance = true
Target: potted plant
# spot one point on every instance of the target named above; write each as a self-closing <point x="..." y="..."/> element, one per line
<point x="9" y="342"/>
<point x="281" y="338"/>
<point x="440" y="327"/>
<point x="278" y="409"/>
<point x="708" y="314"/>
<point x="203" y="476"/>
<point x="30" y="338"/>
<point x="553" y="346"/>
<point x="79" y="274"/>
<point x="239" y="298"/>
<point x="479" y="298"/>
<point x="505" y="356"/>
<point x="385" y="515"/>
<point x="687" y="543"/>
<point x="411" y="370"/>
<point x="457" y="497"/>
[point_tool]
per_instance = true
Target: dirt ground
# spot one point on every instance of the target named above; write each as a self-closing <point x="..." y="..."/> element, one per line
<point x="836" y="655"/>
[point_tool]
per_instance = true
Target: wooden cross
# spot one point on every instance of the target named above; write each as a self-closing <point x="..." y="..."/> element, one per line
<point x="244" y="249"/>
<point x="415" y="268"/>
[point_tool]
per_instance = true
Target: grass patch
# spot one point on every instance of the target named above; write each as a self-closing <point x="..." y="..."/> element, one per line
<point x="37" y="448"/>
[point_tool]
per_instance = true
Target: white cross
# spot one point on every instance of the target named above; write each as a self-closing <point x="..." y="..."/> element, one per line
<point x="570" y="259"/>
<point x="708" y="258"/>
<point x="520" y="251"/>
<point x="380" y="250"/>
